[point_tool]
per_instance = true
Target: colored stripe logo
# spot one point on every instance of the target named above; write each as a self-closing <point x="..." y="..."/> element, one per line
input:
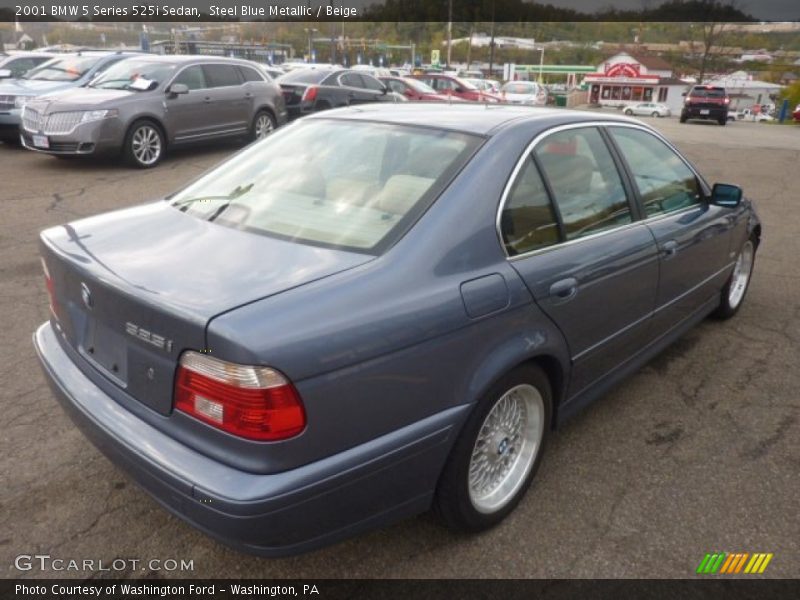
<point x="732" y="563"/>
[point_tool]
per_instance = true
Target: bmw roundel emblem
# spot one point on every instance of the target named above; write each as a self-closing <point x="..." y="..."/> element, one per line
<point x="86" y="296"/>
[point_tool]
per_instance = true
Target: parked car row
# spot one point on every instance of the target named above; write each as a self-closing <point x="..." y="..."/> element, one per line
<point x="137" y="105"/>
<point x="306" y="91"/>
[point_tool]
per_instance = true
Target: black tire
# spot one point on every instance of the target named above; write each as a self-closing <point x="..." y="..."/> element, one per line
<point x="723" y="122"/>
<point x="131" y="153"/>
<point x="683" y="119"/>
<point x="655" y="114"/>
<point x="629" y="112"/>
<point x="453" y="501"/>
<point x="728" y="305"/>
<point x="323" y="105"/>
<point x="263" y="124"/>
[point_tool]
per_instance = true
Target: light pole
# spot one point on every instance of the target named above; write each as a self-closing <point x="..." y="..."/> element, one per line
<point x="541" y="65"/>
<point x="310" y="31"/>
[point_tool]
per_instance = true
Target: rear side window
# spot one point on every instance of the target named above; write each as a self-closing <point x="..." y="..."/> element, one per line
<point x="221" y="75"/>
<point x="250" y="74"/>
<point x="665" y="183"/>
<point x="351" y="80"/>
<point x="192" y="77"/>
<point x="584" y="180"/>
<point x="528" y="221"/>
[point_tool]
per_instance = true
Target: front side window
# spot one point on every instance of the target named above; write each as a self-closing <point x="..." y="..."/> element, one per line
<point x="349" y="185"/>
<point x="665" y="183"/>
<point x="584" y="180"/>
<point x="396" y="86"/>
<point x="371" y="83"/>
<point x="528" y="221"/>
<point x="192" y="77"/>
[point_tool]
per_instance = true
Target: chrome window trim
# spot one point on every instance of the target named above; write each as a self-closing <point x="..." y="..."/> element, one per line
<point x="584" y="124"/>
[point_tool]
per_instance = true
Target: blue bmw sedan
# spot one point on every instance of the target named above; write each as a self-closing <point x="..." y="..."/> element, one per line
<point x="380" y="310"/>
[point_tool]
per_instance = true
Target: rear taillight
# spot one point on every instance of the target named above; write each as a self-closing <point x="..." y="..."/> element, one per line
<point x="51" y="293"/>
<point x="310" y="94"/>
<point x="727" y="100"/>
<point x="252" y="402"/>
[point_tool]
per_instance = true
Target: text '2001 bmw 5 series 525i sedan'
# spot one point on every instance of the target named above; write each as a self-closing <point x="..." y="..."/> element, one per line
<point x="380" y="310"/>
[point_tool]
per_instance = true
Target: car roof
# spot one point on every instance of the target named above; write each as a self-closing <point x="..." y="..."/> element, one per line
<point x="189" y="58"/>
<point x="467" y="117"/>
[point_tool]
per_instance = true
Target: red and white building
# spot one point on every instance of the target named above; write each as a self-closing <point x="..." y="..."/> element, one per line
<point x="626" y="78"/>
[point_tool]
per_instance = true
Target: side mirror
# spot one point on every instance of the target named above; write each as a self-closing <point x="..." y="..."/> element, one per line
<point x="5" y="73"/>
<point x="459" y="90"/>
<point x="727" y="195"/>
<point x="178" y="88"/>
<point x="384" y="90"/>
<point x="683" y="94"/>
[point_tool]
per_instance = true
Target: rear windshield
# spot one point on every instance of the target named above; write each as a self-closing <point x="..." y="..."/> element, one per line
<point x="349" y="185"/>
<point x="702" y="92"/>
<point x="305" y="76"/>
<point x="519" y="88"/>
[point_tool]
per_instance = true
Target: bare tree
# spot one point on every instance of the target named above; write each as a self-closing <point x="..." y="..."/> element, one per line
<point x="712" y="28"/>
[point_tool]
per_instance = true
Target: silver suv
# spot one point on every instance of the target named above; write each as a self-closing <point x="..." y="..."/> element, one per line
<point x="142" y="105"/>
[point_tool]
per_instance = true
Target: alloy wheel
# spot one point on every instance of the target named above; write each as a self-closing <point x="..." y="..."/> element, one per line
<point x="506" y="448"/>
<point x="146" y="145"/>
<point x="741" y="274"/>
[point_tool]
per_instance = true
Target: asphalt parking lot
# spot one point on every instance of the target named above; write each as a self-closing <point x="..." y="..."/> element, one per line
<point x="696" y="453"/>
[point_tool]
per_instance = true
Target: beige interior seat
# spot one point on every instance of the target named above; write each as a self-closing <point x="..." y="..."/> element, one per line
<point x="401" y="192"/>
<point x="344" y="190"/>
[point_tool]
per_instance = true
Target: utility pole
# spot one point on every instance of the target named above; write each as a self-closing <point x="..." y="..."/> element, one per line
<point x="449" y="30"/>
<point x="491" y="45"/>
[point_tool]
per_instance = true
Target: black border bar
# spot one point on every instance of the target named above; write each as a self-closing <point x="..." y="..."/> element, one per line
<point x="398" y="589"/>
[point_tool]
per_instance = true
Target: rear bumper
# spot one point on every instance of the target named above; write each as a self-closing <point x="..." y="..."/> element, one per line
<point x="386" y="479"/>
<point x="704" y="112"/>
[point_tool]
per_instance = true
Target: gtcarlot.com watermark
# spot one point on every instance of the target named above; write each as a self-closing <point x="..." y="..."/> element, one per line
<point x="46" y="562"/>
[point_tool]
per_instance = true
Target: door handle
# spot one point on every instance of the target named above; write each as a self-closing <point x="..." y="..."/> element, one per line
<point x="248" y="95"/>
<point x="207" y="100"/>
<point x="564" y="289"/>
<point x="669" y="249"/>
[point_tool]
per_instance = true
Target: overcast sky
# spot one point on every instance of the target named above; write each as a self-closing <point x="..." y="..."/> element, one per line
<point x="768" y="10"/>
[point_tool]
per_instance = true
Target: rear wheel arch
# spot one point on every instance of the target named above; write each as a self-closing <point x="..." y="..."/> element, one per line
<point x="495" y="368"/>
<point x="267" y="109"/>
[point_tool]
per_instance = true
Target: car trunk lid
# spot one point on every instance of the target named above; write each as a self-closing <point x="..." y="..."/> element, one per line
<point x="134" y="288"/>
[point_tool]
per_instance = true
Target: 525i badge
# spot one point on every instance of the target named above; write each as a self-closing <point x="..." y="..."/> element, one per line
<point x="159" y="341"/>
